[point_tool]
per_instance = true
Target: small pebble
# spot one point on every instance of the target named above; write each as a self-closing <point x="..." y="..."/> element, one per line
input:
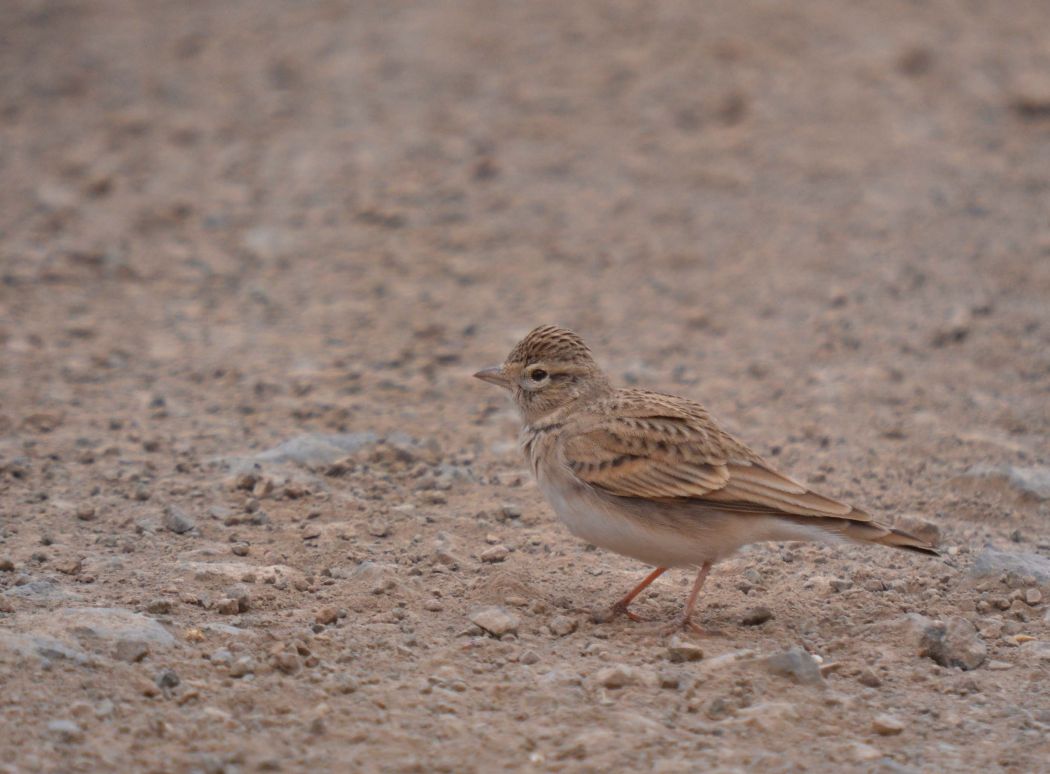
<point x="797" y="664"/>
<point x="1033" y="597"/>
<point x="242" y="666"/>
<point x="177" y="520"/>
<point x="562" y="625"/>
<point x="159" y="607"/>
<point x="228" y="606"/>
<point x="757" y="616"/>
<point x="327" y="615"/>
<point x="887" y="725"/>
<point x="495" y="554"/>
<point x="378" y="529"/>
<point x="495" y="620"/>
<point x="680" y="649"/>
<point x="617" y="676"/>
<point x="167" y="678"/>
<point x="85" y="512"/>
<point x="131" y="651"/>
<point x="65" y="731"/>
<point x="869" y="678"/>
<point x="286" y="662"/>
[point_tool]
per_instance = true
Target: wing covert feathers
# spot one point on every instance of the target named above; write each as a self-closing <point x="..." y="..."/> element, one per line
<point x="642" y="444"/>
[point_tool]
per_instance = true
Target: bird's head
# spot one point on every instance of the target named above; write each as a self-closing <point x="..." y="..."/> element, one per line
<point x="549" y="369"/>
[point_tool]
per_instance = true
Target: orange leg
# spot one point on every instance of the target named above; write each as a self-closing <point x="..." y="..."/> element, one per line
<point x="685" y="620"/>
<point x="620" y="608"/>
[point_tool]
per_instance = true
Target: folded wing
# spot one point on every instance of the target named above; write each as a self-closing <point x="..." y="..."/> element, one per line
<point x="661" y="447"/>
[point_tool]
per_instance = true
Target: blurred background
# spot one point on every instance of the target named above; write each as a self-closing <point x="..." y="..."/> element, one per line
<point x="835" y="207"/>
<point x="277" y="180"/>
<point x="223" y="224"/>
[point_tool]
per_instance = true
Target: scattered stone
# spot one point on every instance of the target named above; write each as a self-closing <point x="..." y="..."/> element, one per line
<point x="769" y="717"/>
<point x="1036" y="651"/>
<point x="85" y="512"/>
<point x="315" y="449"/>
<point x="1033" y="482"/>
<point x="159" y="606"/>
<point x="131" y="651"/>
<point x="955" y="643"/>
<point x="562" y="625"/>
<point x="66" y="731"/>
<point x="825" y="585"/>
<point x="1033" y="597"/>
<point x="887" y="725"/>
<point x="621" y="675"/>
<point x="670" y="680"/>
<point x="680" y="649"/>
<point x="228" y="606"/>
<point x="286" y="661"/>
<point x="263" y="487"/>
<point x="529" y="657"/>
<point x="511" y="510"/>
<point x="795" y="664"/>
<point x="1030" y="95"/>
<point x="991" y="563"/>
<point x="922" y="528"/>
<point x="757" y="616"/>
<point x="6" y="565"/>
<point x="111" y="624"/>
<point x="378" y="528"/>
<point x="433" y="605"/>
<point x="999" y="666"/>
<point x="177" y="520"/>
<point x="242" y="666"/>
<point x="167" y="679"/>
<point x="864" y="753"/>
<point x="242" y="596"/>
<point x="905" y="631"/>
<point x="495" y="620"/>
<point x="955" y="329"/>
<point x="869" y="678"/>
<point x="70" y="566"/>
<point x="240" y="549"/>
<point x="326" y="616"/>
<point x="495" y="554"/>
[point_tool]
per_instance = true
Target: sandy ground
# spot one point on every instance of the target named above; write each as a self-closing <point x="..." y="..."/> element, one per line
<point x="251" y="501"/>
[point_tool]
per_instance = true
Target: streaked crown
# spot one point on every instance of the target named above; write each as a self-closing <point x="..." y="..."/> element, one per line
<point x="550" y="342"/>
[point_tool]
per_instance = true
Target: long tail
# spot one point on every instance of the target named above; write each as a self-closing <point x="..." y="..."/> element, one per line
<point x="869" y="532"/>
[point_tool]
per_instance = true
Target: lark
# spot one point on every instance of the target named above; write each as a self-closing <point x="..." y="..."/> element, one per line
<point x="653" y="476"/>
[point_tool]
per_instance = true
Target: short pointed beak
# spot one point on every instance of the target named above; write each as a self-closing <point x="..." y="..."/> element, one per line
<point x="494" y="376"/>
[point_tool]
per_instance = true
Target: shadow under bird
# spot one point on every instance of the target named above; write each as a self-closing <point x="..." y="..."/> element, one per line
<point x="653" y="476"/>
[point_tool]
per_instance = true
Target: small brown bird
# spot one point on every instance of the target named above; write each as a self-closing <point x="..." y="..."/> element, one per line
<point x="653" y="476"/>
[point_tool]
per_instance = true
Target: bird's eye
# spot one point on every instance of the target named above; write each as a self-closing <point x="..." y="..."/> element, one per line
<point x="538" y="375"/>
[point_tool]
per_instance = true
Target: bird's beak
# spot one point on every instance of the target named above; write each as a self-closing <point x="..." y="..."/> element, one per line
<point x="494" y="376"/>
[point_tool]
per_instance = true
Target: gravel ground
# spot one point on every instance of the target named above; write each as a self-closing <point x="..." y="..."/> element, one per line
<point x="256" y="516"/>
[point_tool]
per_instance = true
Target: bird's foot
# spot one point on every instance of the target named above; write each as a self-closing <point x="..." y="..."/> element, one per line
<point x="683" y="624"/>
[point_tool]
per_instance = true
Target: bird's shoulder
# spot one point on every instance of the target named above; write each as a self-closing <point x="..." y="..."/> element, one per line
<point x="665" y="423"/>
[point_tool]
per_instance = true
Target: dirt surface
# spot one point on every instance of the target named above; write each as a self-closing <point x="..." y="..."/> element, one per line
<point x="252" y="504"/>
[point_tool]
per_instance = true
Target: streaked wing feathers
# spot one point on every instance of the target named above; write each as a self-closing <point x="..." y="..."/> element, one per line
<point x="662" y="447"/>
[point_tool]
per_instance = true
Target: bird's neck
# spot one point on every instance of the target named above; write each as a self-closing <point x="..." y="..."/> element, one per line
<point x="536" y="416"/>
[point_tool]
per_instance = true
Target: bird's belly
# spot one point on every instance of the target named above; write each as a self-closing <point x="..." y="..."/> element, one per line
<point x="590" y="518"/>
